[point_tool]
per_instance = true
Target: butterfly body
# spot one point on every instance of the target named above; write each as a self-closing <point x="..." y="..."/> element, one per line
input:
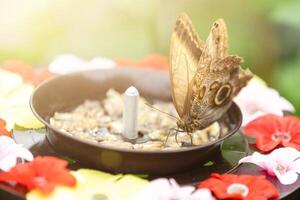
<point x="204" y="78"/>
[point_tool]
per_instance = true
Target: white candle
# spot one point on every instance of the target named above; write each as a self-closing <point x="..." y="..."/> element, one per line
<point x="131" y="100"/>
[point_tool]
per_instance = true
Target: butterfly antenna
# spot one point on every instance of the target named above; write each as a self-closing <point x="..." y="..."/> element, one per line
<point x="160" y="111"/>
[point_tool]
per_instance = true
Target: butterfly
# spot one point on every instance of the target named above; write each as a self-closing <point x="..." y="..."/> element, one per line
<point x="204" y="78"/>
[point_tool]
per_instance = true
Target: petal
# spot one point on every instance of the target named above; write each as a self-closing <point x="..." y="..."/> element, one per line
<point x="265" y="143"/>
<point x="7" y="163"/>
<point x="287" y="178"/>
<point x="263" y="161"/>
<point x="48" y="166"/>
<point x="21" y="174"/>
<point x="5" y="140"/>
<point x="22" y="116"/>
<point x="9" y="148"/>
<point x="291" y="124"/>
<point x="21" y="152"/>
<point x="101" y="63"/>
<point x="286" y="105"/>
<point x="266" y="124"/>
<point x="180" y="192"/>
<point x="28" y="73"/>
<point x="92" y="184"/>
<point x="255" y="158"/>
<point x="294" y="143"/>
<point x="202" y="194"/>
<point x="152" y="191"/>
<point x="8" y="82"/>
<point x="184" y="192"/>
<point x="173" y="183"/>
<point x="154" y="61"/>
<point x="270" y="103"/>
<point x="42" y="173"/>
<point x="14" y="108"/>
<point x="261" y="189"/>
<point x="63" y="178"/>
<point x="286" y="155"/>
<point x="67" y="63"/>
<point x="250" y="117"/>
<point x="3" y="130"/>
<point x="218" y="184"/>
<point x="295" y="166"/>
<point x="122" y="189"/>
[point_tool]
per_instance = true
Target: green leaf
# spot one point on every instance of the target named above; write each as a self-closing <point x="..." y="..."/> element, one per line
<point x="234" y="149"/>
<point x="209" y="164"/>
<point x="68" y="159"/>
<point x="142" y="175"/>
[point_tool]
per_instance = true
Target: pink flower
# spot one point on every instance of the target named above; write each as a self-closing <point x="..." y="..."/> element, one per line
<point x="165" y="189"/>
<point x="256" y="99"/>
<point x="67" y="63"/>
<point x="10" y="151"/>
<point x="284" y="163"/>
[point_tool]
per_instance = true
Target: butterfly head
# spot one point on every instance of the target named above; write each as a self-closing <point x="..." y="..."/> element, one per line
<point x="186" y="124"/>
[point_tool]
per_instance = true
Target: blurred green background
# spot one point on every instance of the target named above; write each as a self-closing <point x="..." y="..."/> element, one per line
<point x="265" y="32"/>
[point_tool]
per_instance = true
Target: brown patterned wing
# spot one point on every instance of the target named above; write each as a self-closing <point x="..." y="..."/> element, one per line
<point x="186" y="49"/>
<point x="218" y="79"/>
<point x="217" y="41"/>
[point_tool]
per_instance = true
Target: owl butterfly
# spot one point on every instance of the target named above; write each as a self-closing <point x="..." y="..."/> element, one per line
<point x="204" y="78"/>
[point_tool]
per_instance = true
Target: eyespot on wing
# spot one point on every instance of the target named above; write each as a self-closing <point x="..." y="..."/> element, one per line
<point x="223" y="94"/>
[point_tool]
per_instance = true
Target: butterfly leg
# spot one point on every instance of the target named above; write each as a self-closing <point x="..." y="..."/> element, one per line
<point x="176" y="137"/>
<point x="185" y="144"/>
<point x="191" y="137"/>
<point x="170" y="132"/>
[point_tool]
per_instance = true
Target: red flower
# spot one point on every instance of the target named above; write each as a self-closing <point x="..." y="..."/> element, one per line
<point x="246" y="187"/>
<point x="154" y="61"/>
<point x="3" y="130"/>
<point x="42" y="173"/>
<point x="271" y="131"/>
<point x="31" y="75"/>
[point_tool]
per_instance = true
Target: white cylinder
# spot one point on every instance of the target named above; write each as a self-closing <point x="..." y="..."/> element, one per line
<point x="130" y="113"/>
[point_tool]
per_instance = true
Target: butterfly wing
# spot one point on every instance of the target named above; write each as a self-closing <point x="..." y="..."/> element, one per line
<point x="217" y="41"/>
<point x="218" y="79"/>
<point x="185" y="51"/>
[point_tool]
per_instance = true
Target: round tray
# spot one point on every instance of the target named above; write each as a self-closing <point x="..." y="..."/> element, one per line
<point x="65" y="92"/>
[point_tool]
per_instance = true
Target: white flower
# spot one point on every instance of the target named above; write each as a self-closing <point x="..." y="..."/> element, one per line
<point x="165" y="189"/>
<point x="284" y="163"/>
<point x="67" y="63"/>
<point x="10" y="151"/>
<point x="256" y="99"/>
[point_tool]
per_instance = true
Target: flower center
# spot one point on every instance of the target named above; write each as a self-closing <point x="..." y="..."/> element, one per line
<point x="237" y="188"/>
<point x="40" y="180"/>
<point x="281" y="136"/>
<point x="281" y="169"/>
